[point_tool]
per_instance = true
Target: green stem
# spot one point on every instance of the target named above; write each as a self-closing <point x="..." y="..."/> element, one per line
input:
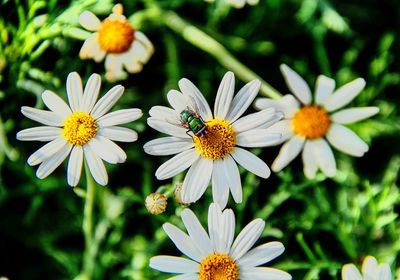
<point x="87" y="226"/>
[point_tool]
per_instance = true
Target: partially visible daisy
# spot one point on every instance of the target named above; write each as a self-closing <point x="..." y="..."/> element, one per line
<point x="83" y="129"/>
<point x="211" y="157"/>
<point x="238" y="3"/>
<point x="218" y="255"/>
<point x="115" y="39"/>
<point x="370" y="271"/>
<point x="308" y="124"/>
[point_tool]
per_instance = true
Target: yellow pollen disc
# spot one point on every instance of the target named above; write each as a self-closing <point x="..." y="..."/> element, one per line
<point x="116" y="35"/>
<point x="79" y="128"/>
<point x="311" y="122"/>
<point x="218" y="267"/>
<point x="218" y="142"/>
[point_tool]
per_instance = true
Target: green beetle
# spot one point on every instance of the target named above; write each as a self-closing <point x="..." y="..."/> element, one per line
<point x="193" y="122"/>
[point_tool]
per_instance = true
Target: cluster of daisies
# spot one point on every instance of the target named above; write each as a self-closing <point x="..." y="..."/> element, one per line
<point x="209" y="143"/>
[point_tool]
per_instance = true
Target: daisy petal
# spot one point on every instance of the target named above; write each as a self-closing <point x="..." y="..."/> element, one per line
<point x="74" y="91"/>
<point x="96" y="166"/>
<point x="107" y="149"/>
<point x="220" y="188"/>
<point x="262" y="254"/>
<point x="296" y="84"/>
<point x="89" y="21"/>
<point x="243" y="99"/>
<point x="215" y="225"/>
<point x="183" y="242"/>
<point x="119" y="117"/>
<point x="309" y="162"/>
<point x="246" y="238"/>
<point x="164" y="113"/>
<point x="289" y="151"/>
<point x="75" y="166"/>
<point x="196" y="232"/>
<point x="176" y="164"/>
<point x="255" y="120"/>
<point x="56" y="104"/>
<point x="116" y="133"/>
<point x="145" y="41"/>
<point x="114" y="67"/>
<point x="46" y="151"/>
<point x="228" y="230"/>
<point x="172" y="264"/>
<point x="91" y="93"/>
<point x="344" y="95"/>
<point x="288" y="104"/>
<point x="251" y="162"/>
<point x="324" y="157"/>
<point x="324" y="88"/>
<point x="224" y="95"/>
<point x="185" y="277"/>
<point x="42" y="116"/>
<point x="233" y="179"/>
<point x="107" y="101"/>
<point x="350" y="272"/>
<point x="167" y="146"/>
<point x="39" y="133"/>
<point x="283" y="127"/>
<point x="370" y="268"/>
<point x="51" y="163"/>
<point x="345" y="140"/>
<point x="197" y="180"/>
<point x="352" y="115"/>
<point x="257" y="138"/>
<point x="167" y="128"/>
<point x="264" y="273"/>
<point x="187" y="87"/>
<point x="384" y="272"/>
<point x="177" y="100"/>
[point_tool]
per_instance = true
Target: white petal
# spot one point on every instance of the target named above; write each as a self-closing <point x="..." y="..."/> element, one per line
<point x="243" y="99"/>
<point x="91" y="92"/>
<point x="255" y="120"/>
<point x="345" y="140"/>
<point x="167" y="128"/>
<point x="56" y="104"/>
<point x="228" y="230"/>
<point x="42" y="116"/>
<point x="185" y="277"/>
<point x="163" y="113"/>
<point x="75" y="166"/>
<point x="187" y="87"/>
<point x="96" y="166"/>
<point x="224" y="96"/>
<point x="370" y="268"/>
<point x="107" y="101"/>
<point x="262" y="254"/>
<point x="257" y="138"/>
<point x="176" y="164"/>
<point x="119" y="117"/>
<point x="323" y="88"/>
<point x="91" y="48"/>
<point x="352" y="115"/>
<point x="288" y="104"/>
<point x="220" y="188"/>
<point x="89" y="21"/>
<point x="172" y="264"/>
<point x="350" y="272"/>
<point x="196" y="232"/>
<point x="263" y="273"/>
<point x="177" y="100"/>
<point x="197" y="180"/>
<point x="46" y="151"/>
<point x="167" y="146"/>
<point x="251" y="162"/>
<point x="283" y="127"/>
<point x="144" y="41"/>
<point x="114" y="67"/>
<point x="107" y="149"/>
<point x="233" y="178"/>
<point x="117" y="133"/>
<point x="296" y="84"/>
<point x="215" y="225"/>
<point x="344" y="95"/>
<point x="289" y="151"/>
<point x="246" y="238"/>
<point x="324" y="157"/>
<point x="39" y="133"/>
<point x="51" y="163"/>
<point x="74" y="91"/>
<point x="183" y="242"/>
<point x="309" y="162"/>
<point x="384" y="272"/>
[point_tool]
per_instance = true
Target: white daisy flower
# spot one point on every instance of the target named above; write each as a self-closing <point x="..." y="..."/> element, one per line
<point x="82" y="130"/>
<point x="211" y="157"/>
<point x="238" y="3"/>
<point x="217" y="255"/>
<point x="115" y="39"/>
<point x="370" y="271"/>
<point x="307" y="125"/>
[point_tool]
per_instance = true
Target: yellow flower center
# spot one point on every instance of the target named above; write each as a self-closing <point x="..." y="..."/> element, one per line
<point x="218" y="142"/>
<point x="218" y="267"/>
<point x="311" y="122"/>
<point x="79" y="128"/>
<point x="115" y="35"/>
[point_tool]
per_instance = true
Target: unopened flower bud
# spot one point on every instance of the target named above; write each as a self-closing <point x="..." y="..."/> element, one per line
<point x="156" y="203"/>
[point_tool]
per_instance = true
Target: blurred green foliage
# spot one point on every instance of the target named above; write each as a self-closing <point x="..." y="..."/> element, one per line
<point x="324" y="223"/>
